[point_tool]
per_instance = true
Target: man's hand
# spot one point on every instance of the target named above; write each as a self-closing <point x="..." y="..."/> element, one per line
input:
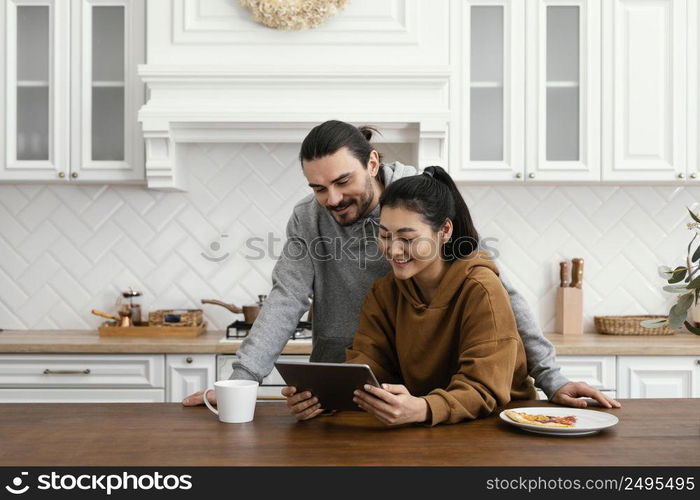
<point x="303" y="406"/>
<point x="197" y="399"/>
<point x="568" y="393"/>
<point x="392" y="404"/>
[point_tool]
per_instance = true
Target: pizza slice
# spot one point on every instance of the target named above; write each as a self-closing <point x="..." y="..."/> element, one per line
<point x="543" y="420"/>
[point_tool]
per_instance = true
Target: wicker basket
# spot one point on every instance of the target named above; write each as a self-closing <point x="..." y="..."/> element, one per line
<point x="629" y="325"/>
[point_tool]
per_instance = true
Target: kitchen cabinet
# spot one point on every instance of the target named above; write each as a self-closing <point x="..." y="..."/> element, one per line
<point x="69" y="75"/>
<point x="658" y="376"/>
<point x="557" y="122"/>
<point x="188" y="373"/>
<point x="493" y="100"/>
<point x="644" y="90"/>
<point x="563" y="90"/>
<point x="81" y="378"/>
<point x="636" y="376"/>
<point x="271" y="385"/>
<point x="611" y="91"/>
<point x="598" y="371"/>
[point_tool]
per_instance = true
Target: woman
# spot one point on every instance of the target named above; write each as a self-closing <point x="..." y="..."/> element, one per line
<point x="438" y="330"/>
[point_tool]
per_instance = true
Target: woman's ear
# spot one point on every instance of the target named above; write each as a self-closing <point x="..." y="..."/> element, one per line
<point x="446" y="231"/>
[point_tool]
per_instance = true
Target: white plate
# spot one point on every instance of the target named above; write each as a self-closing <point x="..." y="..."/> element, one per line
<point x="587" y="421"/>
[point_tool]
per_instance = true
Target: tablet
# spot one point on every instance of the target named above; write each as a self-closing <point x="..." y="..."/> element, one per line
<point x="332" y="383"/>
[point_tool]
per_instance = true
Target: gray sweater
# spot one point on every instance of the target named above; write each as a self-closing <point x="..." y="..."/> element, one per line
<point x="338" y="264"/>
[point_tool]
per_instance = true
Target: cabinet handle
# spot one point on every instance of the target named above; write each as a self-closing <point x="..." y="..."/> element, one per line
<point x="74" y="175"/>
<point x="693" y="175"/>
<point x="697" y="361"/>
<point x="188" y="359"/>
<point x="531" y="175"/>
<point x="518" y="175"/>
<point x="86" y="371"/>
<point x="681" y="175"/>
<point x="61" y="175"/>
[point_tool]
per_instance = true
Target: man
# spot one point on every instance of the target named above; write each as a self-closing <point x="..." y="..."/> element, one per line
<point x="331" y="253"/>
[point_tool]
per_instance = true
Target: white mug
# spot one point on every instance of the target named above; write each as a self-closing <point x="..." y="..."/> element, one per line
<point x="235" y="400"/>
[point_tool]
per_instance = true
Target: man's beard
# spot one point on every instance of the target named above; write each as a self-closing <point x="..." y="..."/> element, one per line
<point x="363" y="208"/>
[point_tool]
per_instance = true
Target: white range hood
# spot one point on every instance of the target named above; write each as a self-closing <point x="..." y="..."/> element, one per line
<point x="214" y="104"/>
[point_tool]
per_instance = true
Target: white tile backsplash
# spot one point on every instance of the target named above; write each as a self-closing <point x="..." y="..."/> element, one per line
<point x="65" y="250"/>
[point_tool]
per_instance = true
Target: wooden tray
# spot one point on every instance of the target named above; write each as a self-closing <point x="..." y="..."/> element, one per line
<point x="109" y="329"/>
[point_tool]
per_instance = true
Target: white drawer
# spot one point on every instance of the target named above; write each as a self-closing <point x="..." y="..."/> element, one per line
<point x="82" y="370"/>
<point x="58" y="395"/>
<point x="224" y="368"/>
<point x="597" y="371"/>
<point x="659" y="376"/>
<point x="270" y="393"/>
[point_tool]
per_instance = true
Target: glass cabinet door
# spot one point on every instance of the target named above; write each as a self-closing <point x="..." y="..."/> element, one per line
<point x="108" y="43"/>
<point x="493" y="90"/>
<point x="36" y="89"/>
<point x="107" y="83"/>
<point x="563" y="102"/>
<point x="33" y="50"/>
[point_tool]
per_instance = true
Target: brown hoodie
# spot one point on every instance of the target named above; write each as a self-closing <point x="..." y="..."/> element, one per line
<point x="462" y="352"/>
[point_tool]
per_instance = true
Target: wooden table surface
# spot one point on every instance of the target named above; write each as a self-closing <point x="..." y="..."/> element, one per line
<point x="651" y="432"/>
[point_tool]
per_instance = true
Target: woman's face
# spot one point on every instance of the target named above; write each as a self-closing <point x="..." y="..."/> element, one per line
<point x="408" y="242"/>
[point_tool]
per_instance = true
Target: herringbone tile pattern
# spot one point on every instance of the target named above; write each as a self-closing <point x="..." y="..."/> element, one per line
<point x="67" y="249"/>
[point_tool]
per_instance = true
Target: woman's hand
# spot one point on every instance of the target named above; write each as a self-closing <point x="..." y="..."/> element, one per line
<point x="303" y="406"/>
<point x="392" y="404"/>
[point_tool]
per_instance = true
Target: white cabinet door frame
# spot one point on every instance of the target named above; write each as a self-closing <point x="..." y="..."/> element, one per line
<point x="598" y="371"/>
<point x="658" y="376"/>
<point x="59" y="94"/>
<point x="644" y="90"/>
<point x="188" y="373"/>
<point x="587" y="167"/>
<point x="132" y="166"/>
<point x="693" y="92"/>
<point x="511" y="167"/>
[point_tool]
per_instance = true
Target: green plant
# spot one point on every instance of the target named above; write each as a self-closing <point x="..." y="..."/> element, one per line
<point x="688" y="290"/>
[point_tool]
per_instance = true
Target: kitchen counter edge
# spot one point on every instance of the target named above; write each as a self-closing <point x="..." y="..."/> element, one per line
<point x="88" y="341"/>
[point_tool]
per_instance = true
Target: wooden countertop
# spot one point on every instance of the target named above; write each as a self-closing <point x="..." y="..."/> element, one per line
<point x="679" y="344"/>
<point x="88" y="341"/>
<point x="651" y="432"/>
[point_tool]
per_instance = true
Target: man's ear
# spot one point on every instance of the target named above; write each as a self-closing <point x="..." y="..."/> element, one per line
<point x="373" y="163"/>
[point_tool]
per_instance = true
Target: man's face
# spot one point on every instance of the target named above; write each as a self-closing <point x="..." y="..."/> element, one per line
<point x="342" y="185"/>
